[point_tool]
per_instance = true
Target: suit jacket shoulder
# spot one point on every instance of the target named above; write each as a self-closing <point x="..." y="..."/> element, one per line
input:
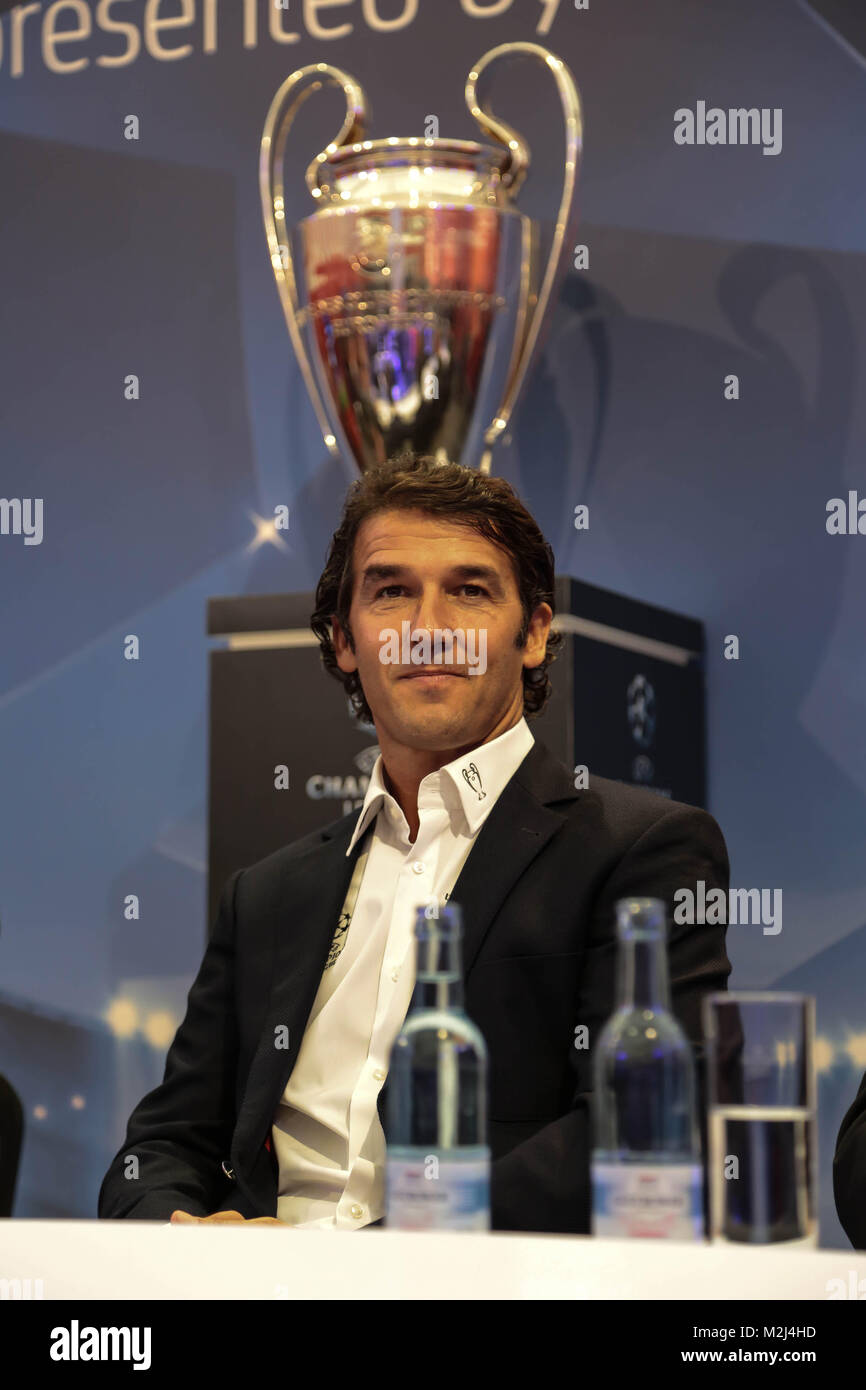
<point x="608" y="815"/>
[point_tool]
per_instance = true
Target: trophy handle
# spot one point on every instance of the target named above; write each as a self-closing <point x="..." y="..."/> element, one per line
<point x="513" y="175"/>
<point x="292" y="94"/>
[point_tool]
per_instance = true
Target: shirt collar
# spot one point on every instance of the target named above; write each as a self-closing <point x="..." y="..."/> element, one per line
<point x="477" y="778"/>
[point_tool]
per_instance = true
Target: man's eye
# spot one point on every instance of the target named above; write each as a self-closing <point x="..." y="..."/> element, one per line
<point x="380" y="592"/>
<point x="479" y="587"/>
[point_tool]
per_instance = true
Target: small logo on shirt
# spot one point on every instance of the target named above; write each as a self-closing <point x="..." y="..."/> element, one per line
<point x="345" y="919"/>
<point x="472" y="778"/>
<point x="339" y="940"/>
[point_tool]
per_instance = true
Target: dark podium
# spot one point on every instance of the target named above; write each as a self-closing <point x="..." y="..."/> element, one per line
<point x="286" y="755"/>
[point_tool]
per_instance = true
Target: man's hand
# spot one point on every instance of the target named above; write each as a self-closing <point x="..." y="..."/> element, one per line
<point x="221" y="1217"/>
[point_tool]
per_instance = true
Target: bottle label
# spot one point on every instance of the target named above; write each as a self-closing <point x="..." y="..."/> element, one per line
<point x="648" y="1199"/>
<point x="428" y="1190"/>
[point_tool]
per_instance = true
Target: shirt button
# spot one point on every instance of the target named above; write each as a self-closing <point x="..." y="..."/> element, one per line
<point x="356" y="1211"/>
<point x="417" y="868"/>
<point x="378" y="1074"/>
<point x="394" y="974"/>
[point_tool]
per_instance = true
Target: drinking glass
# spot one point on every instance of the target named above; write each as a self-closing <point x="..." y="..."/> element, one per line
<point x="761" y="1116"/>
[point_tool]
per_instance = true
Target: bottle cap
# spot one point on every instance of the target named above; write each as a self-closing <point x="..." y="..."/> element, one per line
<point x="640" y="916"/>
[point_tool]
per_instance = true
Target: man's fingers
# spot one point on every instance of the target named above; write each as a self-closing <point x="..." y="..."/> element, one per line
<point x="224" y="1217"/>
<point x="183" y="1216"/>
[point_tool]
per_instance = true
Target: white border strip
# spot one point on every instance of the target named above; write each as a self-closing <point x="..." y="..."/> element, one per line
<point x="288" y="637"/>
<point x="618" y="637"/>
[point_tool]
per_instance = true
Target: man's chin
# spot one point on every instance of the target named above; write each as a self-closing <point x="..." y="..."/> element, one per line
<point x="432" y="727"/>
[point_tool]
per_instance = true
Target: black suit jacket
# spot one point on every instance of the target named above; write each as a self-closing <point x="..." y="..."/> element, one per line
<point x="849" y="1168"/>
<point x="539" y="951"/>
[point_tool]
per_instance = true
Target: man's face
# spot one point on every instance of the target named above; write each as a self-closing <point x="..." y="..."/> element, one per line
<point x="435" y="574"/>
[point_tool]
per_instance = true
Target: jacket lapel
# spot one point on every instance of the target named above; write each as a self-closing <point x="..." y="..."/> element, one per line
<point x="517" y="829"/>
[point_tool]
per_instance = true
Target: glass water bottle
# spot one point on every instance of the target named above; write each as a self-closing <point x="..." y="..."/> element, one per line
<point x="646" y="1171"/>
<point x="438" y="1161"/>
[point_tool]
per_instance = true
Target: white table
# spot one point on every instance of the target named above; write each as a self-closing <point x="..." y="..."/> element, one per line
<point x="151" y="1260"/>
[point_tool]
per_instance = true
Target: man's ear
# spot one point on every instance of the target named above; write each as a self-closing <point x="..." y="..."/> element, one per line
<point x="342" y="646"/>
<point x="537" y="635"/>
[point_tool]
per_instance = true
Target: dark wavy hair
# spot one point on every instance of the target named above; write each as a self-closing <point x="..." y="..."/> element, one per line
<point x="490" y="506"/>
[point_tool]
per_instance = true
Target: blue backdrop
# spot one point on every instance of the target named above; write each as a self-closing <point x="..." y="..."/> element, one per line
<point x="148" y="256"/>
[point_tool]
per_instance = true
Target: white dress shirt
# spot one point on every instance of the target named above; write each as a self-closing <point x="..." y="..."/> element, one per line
<point x="326" y="1131"/>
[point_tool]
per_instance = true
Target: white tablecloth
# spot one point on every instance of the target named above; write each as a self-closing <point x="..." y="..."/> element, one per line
<point x="150" y="1260"/>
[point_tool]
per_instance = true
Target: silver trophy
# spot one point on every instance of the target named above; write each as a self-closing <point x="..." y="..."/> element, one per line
<point x="411" y="293"/>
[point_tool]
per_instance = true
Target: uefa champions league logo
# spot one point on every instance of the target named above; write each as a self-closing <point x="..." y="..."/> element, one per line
<point x="472" y="778"/>
<point x="641" y="709"/>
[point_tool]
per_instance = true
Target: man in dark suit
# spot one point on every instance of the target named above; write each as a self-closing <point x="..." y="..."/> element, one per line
<point x="271" y="1108"/>
<point x="849" y="1166"/>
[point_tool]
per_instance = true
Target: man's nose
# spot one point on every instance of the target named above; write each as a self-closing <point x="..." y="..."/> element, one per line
<point x="427" y="615"/>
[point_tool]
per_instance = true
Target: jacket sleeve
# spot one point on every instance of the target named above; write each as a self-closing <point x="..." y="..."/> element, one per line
<point x="543" y="1183"/>
<point x="849" y="1170"/>
<point x="180" y="1132"/>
